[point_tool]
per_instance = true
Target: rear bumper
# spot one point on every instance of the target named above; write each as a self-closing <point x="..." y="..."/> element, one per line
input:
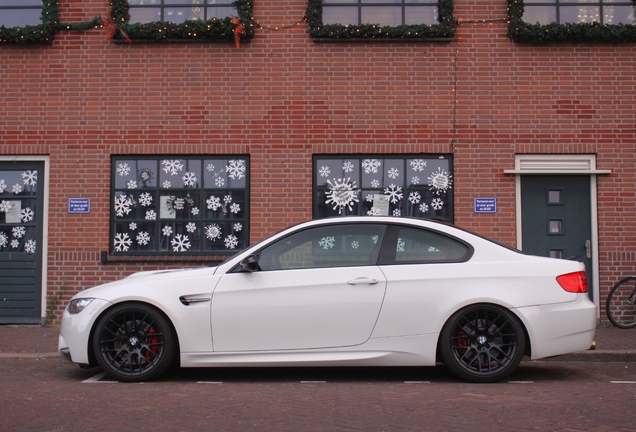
<point x="559" y="328"/>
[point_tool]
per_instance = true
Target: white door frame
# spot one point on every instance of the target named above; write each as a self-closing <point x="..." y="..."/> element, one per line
<point x="45" y="221"/>
<point x="560" y="164"/>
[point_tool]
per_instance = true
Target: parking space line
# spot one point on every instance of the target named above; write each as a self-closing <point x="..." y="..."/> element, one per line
<point x="96" y="379"/>
<point x="313" y="382"/>
<point x="520" y="382"/>
<point x="209" y="382"/>
<point x="417" y="382"/>
<point x="623" y="382"/>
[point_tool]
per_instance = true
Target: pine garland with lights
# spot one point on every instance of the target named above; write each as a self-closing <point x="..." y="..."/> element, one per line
<point x="521" y="31"/>
<point x="195" y="30"/>
<point x="319" y="30"/>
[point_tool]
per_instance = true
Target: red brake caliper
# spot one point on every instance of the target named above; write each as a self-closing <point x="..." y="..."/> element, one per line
<point x="152" y="340"/>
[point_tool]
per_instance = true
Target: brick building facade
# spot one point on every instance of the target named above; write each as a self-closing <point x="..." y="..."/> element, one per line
<point x="284" y="102"/>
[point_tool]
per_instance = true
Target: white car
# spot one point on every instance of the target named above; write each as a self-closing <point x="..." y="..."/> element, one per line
<point x="352" y="291"/>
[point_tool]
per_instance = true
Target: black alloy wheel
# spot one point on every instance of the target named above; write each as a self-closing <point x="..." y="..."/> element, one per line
<point x="482" y="343"/>
<point x="134" y="342"/>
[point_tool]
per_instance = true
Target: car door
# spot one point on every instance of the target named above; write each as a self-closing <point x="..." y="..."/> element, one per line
<point x="316" y="288"/>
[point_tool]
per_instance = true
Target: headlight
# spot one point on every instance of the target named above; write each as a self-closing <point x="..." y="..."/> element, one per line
<point x="78" y="305"/>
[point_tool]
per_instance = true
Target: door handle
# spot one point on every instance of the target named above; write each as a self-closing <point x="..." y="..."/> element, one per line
<point x="588" y="249"/>
<point x="363" y="280"/>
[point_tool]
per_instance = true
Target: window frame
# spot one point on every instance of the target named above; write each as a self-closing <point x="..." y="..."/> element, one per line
<point x="44" y="32"/>
<point x="522" y="32"/>
<point x="201" y="221"/>
<point x="443" y="31"/>
<point x="220" y="30"/>
<point x="560" y="4"/>
<point x="406" y="189"/>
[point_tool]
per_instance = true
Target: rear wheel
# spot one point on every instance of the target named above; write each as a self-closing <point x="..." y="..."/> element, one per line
<point x="621" y="303"/>
<point x="482" y="343"/>
<point x="134" y="342"/>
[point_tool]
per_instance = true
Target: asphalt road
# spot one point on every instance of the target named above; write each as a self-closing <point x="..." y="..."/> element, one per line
<point x="46" y="395"/>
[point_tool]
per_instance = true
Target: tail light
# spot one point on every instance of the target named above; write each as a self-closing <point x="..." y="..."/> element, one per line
<point x="573" y="282"/>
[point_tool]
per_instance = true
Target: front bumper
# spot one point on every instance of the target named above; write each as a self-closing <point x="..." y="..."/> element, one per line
<point x="75" y="332"/>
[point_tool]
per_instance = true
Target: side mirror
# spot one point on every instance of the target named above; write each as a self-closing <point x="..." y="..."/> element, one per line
<point x="250" y="263"/>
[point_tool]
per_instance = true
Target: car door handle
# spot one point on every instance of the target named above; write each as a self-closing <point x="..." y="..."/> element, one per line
<point x="363" y="280"/>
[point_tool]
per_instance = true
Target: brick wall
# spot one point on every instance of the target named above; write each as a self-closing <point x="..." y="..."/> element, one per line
<point x="282" y="98"/>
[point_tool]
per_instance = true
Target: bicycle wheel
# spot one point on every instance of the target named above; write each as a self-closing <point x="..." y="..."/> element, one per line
<point x="621" y="303"/>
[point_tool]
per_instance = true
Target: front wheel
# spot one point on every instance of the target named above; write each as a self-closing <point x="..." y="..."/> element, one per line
<point x="482" y="343"/>
<point x="134" y="342"/>
<point x="621" y="303"/>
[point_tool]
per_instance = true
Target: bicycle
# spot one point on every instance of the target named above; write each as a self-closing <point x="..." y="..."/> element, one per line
<point x="621" y="303"/>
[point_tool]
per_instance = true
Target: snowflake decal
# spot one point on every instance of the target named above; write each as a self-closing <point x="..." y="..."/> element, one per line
<point x="180" y="243"/>
<point x="238" y="227"/>
<point x="369" y="198"/>
<point x="145" y="199"/>
<point x="236" y="169"/>
<point x="143" y="238"/>
<point x="324" y="171"/>
<point x="166" y="184"/>
<point x="213" y="203"/>
<point x="327" y="242"/>
<point x="122" y="242"/>
<point x="213" y="232"/>
<point x="194" y="211"/>
<point x="440" y="181"/>
<point x="122" y="205"/>
<point x="5" y="206"/>
<point x="227" y="199"/>
<point x="397" y="212"/>
<point x="189" y="179"/>
<point x="235" y="208"/>
<point x="347" y="167"/>
<point x="30" y="178"/>
<point x="341" y="194"/>
<point x="18" y="232"/>
<point x="371" y="165"/>
<point x="4" y="240"/>
<point x="15" y="243"/>
<point x="132" y="184"/>
<point x="26" y="215"/>
<point x="375" y="183"/>
<point x="172" y="167"/>
<point x="3" y="186"/>
<point x="355" y="245"/>
<point x="210" y="167"/>
<point x="145" y="175"/>
<point x="393" y="173"/>
<point x="373" y="212"/>
<point x="151" y="215"/>
<point x="167" y="230"/>
<point x="231" y="242"/>
<point x="219" y="181"/>
<point x="132" y="226"/>
<point x="191" y="227"/>
<point x="394" y="193"/>
<point x="123" y="169"/>
<point x="423" y="207"/>
<point x="16" y="189"/>
<point x="414" y="197"/>
<point x="29" y="246"/>
<point x="418" y="165"/>
<point x="437" y="204"/>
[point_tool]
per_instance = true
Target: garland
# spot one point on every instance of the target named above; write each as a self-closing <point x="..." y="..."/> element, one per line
<point x="212" y="29"/>
<point x="521" y="31"/>
<point x="317" y="30"/>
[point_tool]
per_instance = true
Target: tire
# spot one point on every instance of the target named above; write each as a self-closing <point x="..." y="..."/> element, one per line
<point x="482" y="343"/>
<point x="134" y="342"/>
<point x="621" y="303"/>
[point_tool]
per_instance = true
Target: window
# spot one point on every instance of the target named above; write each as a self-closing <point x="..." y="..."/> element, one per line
<point x="179" y="205"/>
<point x="418" y="186"/>
<point x="340" y="245"/>
<point x="578" y="11"/>
<point x="20" y="13"/>
<point x="381" y="12"/>
<point x="420" y="246"/>
<point x="178" y="11"/>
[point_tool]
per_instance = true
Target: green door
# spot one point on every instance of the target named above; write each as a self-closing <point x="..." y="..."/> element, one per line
<point x="21" y="219"/>
<point x="556" y="218"/>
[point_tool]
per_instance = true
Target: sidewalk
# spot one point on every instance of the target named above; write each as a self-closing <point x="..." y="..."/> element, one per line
<point x="611" y="344"/>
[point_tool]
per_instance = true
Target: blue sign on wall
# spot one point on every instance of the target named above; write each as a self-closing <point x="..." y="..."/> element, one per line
<point x="79" y="205"/>
<point x="485" y="205"/>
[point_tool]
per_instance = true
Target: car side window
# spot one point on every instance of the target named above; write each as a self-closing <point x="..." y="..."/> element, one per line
<point x="420" y="246"/>
<point x="338" y="245"/>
